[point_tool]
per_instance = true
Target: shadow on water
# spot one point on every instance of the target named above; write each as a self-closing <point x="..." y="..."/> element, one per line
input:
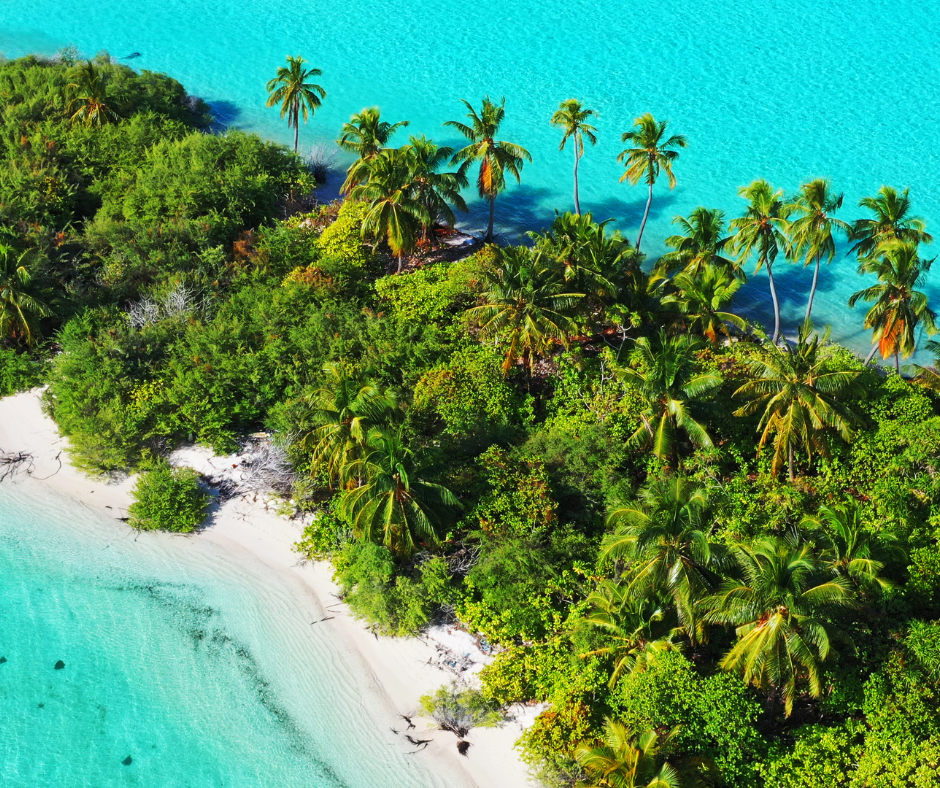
<point x="224" y="114"/>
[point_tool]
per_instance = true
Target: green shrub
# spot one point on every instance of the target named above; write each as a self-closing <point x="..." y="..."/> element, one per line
<point x="923" y="643"/>
<point x="458" y="709"/>
<point x="343" y="238"/>
<point x="18" y="372"/>
<point x="168" y="499"/>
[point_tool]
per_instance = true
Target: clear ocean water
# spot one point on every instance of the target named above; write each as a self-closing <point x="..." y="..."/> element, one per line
<point x="846" y="89"/>
<point x="179" y="669"/>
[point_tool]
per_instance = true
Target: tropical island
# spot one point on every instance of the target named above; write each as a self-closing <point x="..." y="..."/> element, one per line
<point x="708" y="549"/>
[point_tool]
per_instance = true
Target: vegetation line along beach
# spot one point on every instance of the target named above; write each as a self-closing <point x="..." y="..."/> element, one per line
<point x="656" y="543"/>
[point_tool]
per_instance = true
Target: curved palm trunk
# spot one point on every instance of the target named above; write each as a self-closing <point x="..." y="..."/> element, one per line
<point x="812" y="293"/>
<point x="871" y="355"/>
<point x="577" y="202"/>
<point x="489" y="229"/>
<point x="773" y="296"/>
<point x="646" y="215"/>
<point x="296" y="114"/>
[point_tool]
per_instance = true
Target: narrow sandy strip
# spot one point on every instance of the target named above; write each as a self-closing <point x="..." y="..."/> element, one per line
<point x="402" y="670"/>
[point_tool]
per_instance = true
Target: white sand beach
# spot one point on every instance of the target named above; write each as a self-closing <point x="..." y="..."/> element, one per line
<point x="249" y="531"/>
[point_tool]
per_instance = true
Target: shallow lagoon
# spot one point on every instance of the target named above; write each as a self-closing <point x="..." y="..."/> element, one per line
<point x="846" y="89"/>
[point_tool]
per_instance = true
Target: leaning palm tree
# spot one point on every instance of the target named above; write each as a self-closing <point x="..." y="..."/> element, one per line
<point x="850" y="549"/>
<point x="899" y="308"/>
<point x="891" y="222"/>
<point x="339" y="418"/>
<point x="651" y="152"/>
<point x="701" y="243"/>
<point x="393" y="506"/>
<point x="395" y="214"/>
<point x="700" y="300"/>
<point x="525" y="303"/>
<point x="779" y="608"/>
<point x="664" y="537"/>
<point x="20" y="309"/>
<point x="631" y="628"/>
<point x="90" y="105"/>
<point x="667" y="384"/>
<point x="435" y="190"/>
<point x="623" y="760"/>
<point x="298" y="97"/>
<point x="571" y="117"/>
<point x="798" y="391"/>
<point x="762" y="231"/>
<point x="812" y="234"/>
<point x="496" y="157"/>
<point x="366" y="135"/>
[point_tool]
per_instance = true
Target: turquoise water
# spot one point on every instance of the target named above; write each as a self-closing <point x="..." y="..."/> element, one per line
<point x="847" y="89"/>
<point x="203" y="675"/>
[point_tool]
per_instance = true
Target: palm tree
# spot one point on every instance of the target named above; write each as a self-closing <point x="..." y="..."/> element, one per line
<point x="891" y="222"/>
<point x="631" y="628"/>
<point x="700" y="299"/>
<point x="20" y="309"/>
<point x="623" y="760"/>
<point x="797" y="388"/>
<point x="779" y="610"/>
<point x="434" y="190"/>
<point x="651" y="153"/>
<point x="366" y="135"/>
<point x="851" y="550"/>
<point x="393" y="506"/>
<point x="298" y="97"/>
<point x="899" y="308"/>
<point x="339" y="419"/>
<point x="703" y="243"/>
<point x="930" y="376"/>
<point x="572" y="118"/>
<point x="496" y="157"/>
<point x="395" y="214"/>
<point x="90" y="86"/>
<point x="762" y="231"/>
<point x="524" y="303"/>
<point x="811" y="235"/>
<point x="664" y="536"/>
<point x="667" y="384"/>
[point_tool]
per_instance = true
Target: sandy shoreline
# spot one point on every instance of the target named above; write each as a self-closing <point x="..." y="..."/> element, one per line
<point x="399" y="670"/>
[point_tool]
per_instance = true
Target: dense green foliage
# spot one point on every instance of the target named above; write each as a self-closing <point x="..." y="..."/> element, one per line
<point x="709" y="554"/>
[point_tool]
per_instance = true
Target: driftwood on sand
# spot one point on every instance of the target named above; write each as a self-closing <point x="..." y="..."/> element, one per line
<point x="14" y="462"/>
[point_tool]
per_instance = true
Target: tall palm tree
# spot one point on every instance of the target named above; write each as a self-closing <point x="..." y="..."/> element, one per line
<point x="812" y="235"/>
<point x="623" y="760"/>
<point x="298" y="97"/>
<point x="496" y="157"/>
<point x="436" y="191"/>
<point x="779" y="609"/>
<point x="340" y="417"/>
<point x="366" y="135"/>
<point x="525" y="303"/>
<point x="700" y="298"/>
<point x="702" y="243"/>
<point x="850" y="549"/>
<point x="898" y="307"/>
<point x="395" y="213"/>
<point x="762" y="231"/>
<point x="891" y="222"/>
<point x="797" y="389"/>
<point x="572" y="117"/>
<point x="651" y="152"/>
<point x="90" y="105"/>
<point x="393" y="506"/>
<point x="20" y="309"/>
<point x="632" y="628"/>
<point x="668" y="384"/>
<point x="664" y="536"/>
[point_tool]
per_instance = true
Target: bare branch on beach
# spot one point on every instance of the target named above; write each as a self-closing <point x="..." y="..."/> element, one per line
<point x="14" y="462"/>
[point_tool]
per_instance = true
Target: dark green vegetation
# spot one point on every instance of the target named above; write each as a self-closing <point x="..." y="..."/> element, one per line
<point x="713" y="560"/>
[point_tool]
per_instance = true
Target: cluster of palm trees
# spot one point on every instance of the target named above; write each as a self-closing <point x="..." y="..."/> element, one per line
<point x="354" y="438"/>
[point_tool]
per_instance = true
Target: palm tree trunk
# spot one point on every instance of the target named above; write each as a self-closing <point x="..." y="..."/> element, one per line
<point x="577" y="202"/>
<point x="773" y="296"/>
<point x="489" y="230"/>
<point x="871" y="355"/>
<point x="296" y="135"/>
<point x="897" y="362"/>
<point x="790" y="461"/>
<point x="646" y="215"/>
<point x="399" y="264"/>
<point x="812" y="293"/>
